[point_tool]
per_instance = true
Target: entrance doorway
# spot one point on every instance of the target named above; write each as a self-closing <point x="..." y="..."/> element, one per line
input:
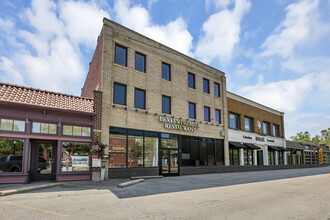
<point x="43" y="160"/>
<point x="170" y="162"/>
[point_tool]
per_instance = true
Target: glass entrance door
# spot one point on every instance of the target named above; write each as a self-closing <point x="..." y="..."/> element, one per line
<point x="170" y="162"/>
<point x="43" y="160"/>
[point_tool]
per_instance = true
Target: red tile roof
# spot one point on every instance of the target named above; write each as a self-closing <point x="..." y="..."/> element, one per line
<point x="42" y="98"/>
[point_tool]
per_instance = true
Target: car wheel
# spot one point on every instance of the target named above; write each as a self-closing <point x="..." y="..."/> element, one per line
<point x="15" y="169"/>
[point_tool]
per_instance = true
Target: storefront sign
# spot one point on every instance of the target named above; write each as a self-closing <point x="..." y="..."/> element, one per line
<point x="260" y="139"/>
<point x="270" y="140"/>
<point x="96" y="162"/>
<point x="247" y="137"/>
<point x="178" y="124"/>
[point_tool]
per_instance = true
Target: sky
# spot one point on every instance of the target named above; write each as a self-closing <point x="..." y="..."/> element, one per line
<point x="275" y="52"/>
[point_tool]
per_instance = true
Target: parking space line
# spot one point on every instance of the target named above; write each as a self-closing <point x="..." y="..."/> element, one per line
<point x="36" y="209"/>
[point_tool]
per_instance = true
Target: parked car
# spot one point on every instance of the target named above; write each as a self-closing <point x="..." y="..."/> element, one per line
<point x="13" y="163"/>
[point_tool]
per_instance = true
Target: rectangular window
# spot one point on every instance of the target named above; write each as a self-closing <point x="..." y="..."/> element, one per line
<point x="276" y="130"/>
<point x="202" y="152"/>
<point x="76" y="131"/>
<point x="44" y="128"/>
<point x="210" y="144"/>
<point x="266" y="128"/>
<point x="186" y="158"/>
<point x="191" y="80"/>
<point x="206" y="86"/>
<point x="217" y="89"/>
<point x="135" y="151"/>
<point x="248" y="124"/>
<point x="166" y="71"/>
<point x="166" y="104"/>
<point x="234" y="156"/>
<point x="12" y="125"/>
<point x="75" y="157"/>
<point x="192" y="110"/>
<point x="218" y="116"/>
<point x="11" y="155"/>
<point x="117" y="149"/>
<point x="140" y="62"/>
<point x="248" y="157"/>
<point x="207" y="113"/>
<point x="219" y="152"/>
<point x="151" y="150"/>
<point x="140" y="98"/>
<point x="119" y="94"/>
<point x="121" y="55"/>
<point x="234" y="121"/>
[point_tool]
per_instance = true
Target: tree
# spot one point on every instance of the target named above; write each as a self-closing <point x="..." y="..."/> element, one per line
<point x="302" y="137"/>
<point x="324" y="138"/>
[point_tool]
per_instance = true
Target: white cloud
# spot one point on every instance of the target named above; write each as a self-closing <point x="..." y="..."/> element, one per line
<point x="311" y="122"/>
<point x="83" y="21"/>
<point x="10" y="74"/>
<point x="222" y="33"/>
<point x="51" y="58"/>
<point x="285" y="95"/>
<point x="295" y="30"/>
<point x="174" y="34"/>
<point x="243" y="71"/>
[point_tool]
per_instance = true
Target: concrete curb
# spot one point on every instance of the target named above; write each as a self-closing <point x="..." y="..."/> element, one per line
<point x="145" y="177"/>
<point x="129" y="183"/>
<point x="30" y="188"/>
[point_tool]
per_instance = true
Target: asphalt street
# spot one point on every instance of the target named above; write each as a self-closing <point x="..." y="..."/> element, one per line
<point x="275" y="194"/>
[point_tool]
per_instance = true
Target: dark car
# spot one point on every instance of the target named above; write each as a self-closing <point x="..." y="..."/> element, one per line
<point x="13" y="163"/>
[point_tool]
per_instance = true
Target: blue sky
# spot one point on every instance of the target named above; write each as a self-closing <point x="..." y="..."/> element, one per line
<point x="274" y="52"/>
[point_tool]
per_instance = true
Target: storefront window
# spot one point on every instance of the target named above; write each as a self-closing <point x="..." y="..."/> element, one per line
<point x="76" y="131"/>
<point x="248" y="157"/>
<point x="271" y="156"/>
<point x="44" y="128"/>
<point x="75" y="156"/>
<point x="202" y="152"/>
<point x="169" y="140"/>
<point x="12" y="125"/>
<point x="219" y="153"/>
<point x="194" y="151"/>
<point x="135" y="151"/>
<point x="280" y="157"/>
<point x="117" y="148"/>
<point x="11" y="155"/>
<point x="210" y="152"/>
<point x="234" y="156"/>
<point x="151" y="151"/>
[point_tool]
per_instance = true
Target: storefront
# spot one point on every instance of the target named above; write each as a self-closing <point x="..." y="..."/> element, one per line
<point x="138" y="152"/>
<point x="44" y="135"/>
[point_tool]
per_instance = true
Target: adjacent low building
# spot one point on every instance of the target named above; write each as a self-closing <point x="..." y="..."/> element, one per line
<point x="256" y="133"/>
<point x="44" y="135"/>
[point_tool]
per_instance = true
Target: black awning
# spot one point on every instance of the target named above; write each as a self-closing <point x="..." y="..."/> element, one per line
<point x="236" y="144"/>
<point x="252" y="146"/>
<point x="272" y="148"/>
<point x="283" y="149"/>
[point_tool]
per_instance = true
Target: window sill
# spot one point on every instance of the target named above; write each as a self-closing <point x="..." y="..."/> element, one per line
<point x="165" y="80"/>
<point x="118" y="65"/>
<point x="140" y="72"/>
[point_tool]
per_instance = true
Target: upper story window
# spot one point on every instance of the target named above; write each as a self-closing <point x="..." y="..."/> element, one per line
<point x="234" y="121"/>
<point x="266" y="128"/>
<point x="140" y="62"/>
<point x="192" y="110"/>
<point x="166" y="104"/>
<point x="76" y="131"/>
<point x="191" y="80"/>
<point x="166" y="71"/>
<point x="140" y="98"/>
<point x="119" y="94"/>
<point x="44" y="128"/>
<point x="276" y="130"/>
<point x="218" y="116"/>
<point x="207" y="113"/>
<point x="121" y="55"/>
<point x="217" y="89"/>
<point x="12" y="125"/>
<point x="248" y="124"/>
<point x="206" y="85"/>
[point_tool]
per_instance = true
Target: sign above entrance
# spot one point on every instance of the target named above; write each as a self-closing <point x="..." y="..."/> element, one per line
<point x="178" y="124"/>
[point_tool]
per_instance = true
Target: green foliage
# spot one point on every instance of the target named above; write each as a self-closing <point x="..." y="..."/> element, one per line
<point x="324" y="138"/>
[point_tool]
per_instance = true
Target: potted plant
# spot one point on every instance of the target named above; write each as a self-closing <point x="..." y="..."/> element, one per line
<point x="97" y="150"/>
